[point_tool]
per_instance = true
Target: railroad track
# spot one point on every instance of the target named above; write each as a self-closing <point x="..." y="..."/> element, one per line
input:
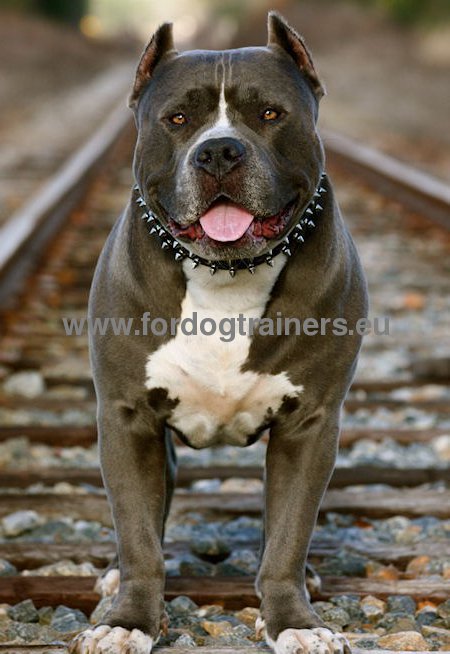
<point x="385" y="518"/>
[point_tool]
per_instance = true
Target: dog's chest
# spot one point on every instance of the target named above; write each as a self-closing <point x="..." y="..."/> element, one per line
<point x="216" y="400"/>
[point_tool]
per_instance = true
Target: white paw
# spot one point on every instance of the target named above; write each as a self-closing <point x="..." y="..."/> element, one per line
<point x="111" y="640"/>
<point x="109" y="584"/>
<point x="309" y="641"/>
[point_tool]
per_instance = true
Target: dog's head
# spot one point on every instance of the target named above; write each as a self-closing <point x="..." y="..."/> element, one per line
<point x="227" y="153"/>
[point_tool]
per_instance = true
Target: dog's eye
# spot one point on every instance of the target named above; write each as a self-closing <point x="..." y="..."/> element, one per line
<point x="270" y="114"/>
<point x="178" y="119"/>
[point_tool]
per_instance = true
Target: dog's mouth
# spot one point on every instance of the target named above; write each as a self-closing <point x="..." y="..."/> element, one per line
<point x="225" y="222"/>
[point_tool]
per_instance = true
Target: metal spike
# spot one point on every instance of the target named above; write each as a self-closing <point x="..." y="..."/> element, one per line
<point x="286" y="240"/>
<point x="179" y="256"/>
<point x="311" y="223"/>
<point x="161" y="231"/>
<point x="319" y="207"/>
<point x="150" y="218"/>
<point x="135" y="187"/>
<point x="322" y="189"/>
<point x="232" y="272"/>
<point x="141" y="202"/>
<point x="316" y="194"/>
<point x="195" y="263"/>
<point x="165" y="245"/>
<point x="309" y="211"/>
<point x="153" y="230"/>
<point x="212" y="269"/>
<point x="269" y="261"/>
<point x="298" y="237"/>
<point x="251" y="269"/>
<point x="286" y="251"/>
<point x="175" y="244"/>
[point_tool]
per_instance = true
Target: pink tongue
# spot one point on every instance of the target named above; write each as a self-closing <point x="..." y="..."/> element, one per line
<point x="226" y="222"/>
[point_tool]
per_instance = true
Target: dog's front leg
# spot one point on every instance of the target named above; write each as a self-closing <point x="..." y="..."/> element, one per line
<point x="300" y="460"/>
<point x="134" y="470"/>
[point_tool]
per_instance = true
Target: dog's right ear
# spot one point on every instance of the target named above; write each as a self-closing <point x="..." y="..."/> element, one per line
<point x="160" y="46"/>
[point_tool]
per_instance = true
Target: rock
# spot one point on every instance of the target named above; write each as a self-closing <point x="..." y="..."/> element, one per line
<point x="417" y="566"/>
<point x="184" y="641"/>
<point x="208" y="610"/>
<point x="181" y="605"/>
<point x="443" y="611"/>
<point x="375" y="570"/>
<point x="29" y="383"/>
<point x="217" y="629"/>
<point x="45" y="615"/>
<point x="66" y="620"/>
<point x="407" y="641"/>
<point x="373" y="608"/>
<point x="21" y="632"/>
<point x="248" y="616"/>
<point x="367" y="643"/>
<point x="64" y="569"/>
<point x="19" y="522"/>
<point x="441" y="445"/>
<point x="426" y="617"/>
<point x="241" y="562"/>
<point x="346" y="564"/>
<point x="351" y="604"/>
<point x="101" y="609"/>
<point x="24" y="612"/>
<point x="395" y="622"/>
<point x="243" y="631"/>
<point x="195" y="567"/>
<point x="336" y="616"/>
<point x="401" y="604"/>
<point x="211" y="549"/>
<point x="7" y="569"/>
<point x="440" y="637"/>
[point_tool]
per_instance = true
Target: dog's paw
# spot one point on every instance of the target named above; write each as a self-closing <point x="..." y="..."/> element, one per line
<point x="309" y="641"/>
<point x="111" y="640"/>
<point x="108" y="584"/>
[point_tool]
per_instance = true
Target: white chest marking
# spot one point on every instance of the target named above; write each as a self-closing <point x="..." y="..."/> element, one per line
<point x="216" y="400"/>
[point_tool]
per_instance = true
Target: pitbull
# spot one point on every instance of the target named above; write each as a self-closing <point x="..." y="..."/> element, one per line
<point x="232" y="217"/>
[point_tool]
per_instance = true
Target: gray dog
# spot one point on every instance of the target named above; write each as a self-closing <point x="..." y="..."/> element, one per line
<point x="232" y="219"/>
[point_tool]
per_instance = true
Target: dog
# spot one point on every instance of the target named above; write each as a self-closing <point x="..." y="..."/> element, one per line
<point x="232" y="217"/>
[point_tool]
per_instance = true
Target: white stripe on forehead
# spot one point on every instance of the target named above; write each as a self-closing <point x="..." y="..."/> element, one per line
<point x="222" y="125"/>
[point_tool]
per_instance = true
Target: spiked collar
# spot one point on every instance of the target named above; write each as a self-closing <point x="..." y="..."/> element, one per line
<point x="289" y="244"/>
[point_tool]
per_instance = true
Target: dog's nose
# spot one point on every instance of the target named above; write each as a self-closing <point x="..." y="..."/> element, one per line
<point x="219" y="156"/>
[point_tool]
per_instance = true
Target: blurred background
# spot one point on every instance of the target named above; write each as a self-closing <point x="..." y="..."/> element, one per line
<point x="64" y="63"/>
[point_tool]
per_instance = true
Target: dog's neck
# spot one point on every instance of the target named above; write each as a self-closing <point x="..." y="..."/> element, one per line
<point x="290" y="243"/>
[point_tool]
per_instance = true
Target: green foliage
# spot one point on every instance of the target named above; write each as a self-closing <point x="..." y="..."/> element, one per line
<point x="411" y="12"/>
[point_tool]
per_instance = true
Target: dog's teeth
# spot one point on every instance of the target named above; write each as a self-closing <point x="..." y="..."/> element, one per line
<point x="232" y="272"/>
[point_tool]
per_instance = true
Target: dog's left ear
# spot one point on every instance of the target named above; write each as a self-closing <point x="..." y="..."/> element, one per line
<point x="283" y="35"/>
<point x="160" y="46"/>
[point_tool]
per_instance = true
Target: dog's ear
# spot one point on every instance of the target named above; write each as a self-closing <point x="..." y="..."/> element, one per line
<point x="283" y="35"/>
<point x="160" y="46"/>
